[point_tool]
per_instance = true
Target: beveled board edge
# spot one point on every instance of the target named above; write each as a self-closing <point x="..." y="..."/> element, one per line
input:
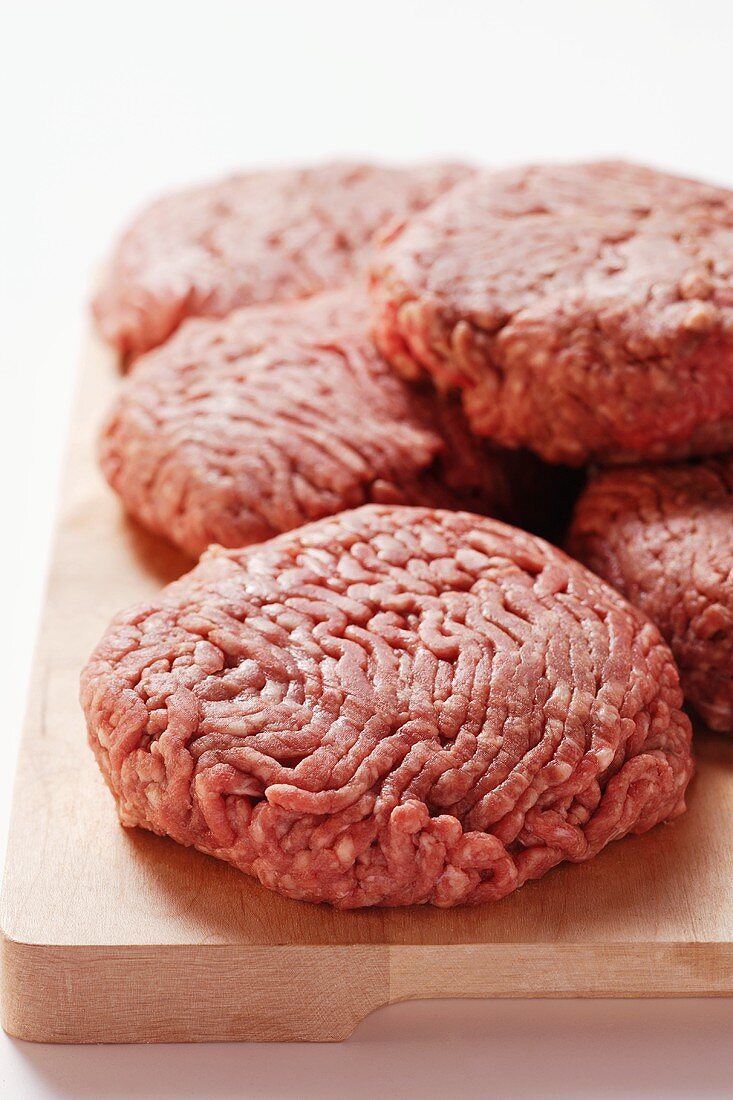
<point x="160" y="994"/>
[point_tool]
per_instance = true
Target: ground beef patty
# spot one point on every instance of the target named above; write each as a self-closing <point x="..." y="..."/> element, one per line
<point x="238" y="429"/>
<point x="584" y="310"/>
<point x="390" y="706"/>
<point x="260" y="237"/>
<point x="663" y="535"/>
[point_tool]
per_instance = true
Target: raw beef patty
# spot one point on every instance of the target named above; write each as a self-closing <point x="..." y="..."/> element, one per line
<point x="390" y="706"/>
<point x="663" y="535"/>
<point x="260" y="237"/>
<point x="585" y="311"/>
<point x="238" y="429"/>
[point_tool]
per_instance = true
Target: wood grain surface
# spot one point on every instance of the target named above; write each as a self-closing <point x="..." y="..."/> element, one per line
<point x="121" y="936"/>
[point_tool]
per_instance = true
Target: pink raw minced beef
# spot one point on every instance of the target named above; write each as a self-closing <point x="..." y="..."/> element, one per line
<point x="258" y="237"/>
<point x="391" y="706"/>
<point x="237" y="429"/>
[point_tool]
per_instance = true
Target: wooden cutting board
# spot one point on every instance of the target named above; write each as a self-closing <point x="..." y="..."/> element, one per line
<point x="120" y="936"/>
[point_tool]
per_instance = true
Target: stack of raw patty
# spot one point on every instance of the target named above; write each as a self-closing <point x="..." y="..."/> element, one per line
<point x="405" y="702"/>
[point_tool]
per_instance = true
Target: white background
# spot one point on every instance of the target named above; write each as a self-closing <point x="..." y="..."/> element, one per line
<point x="102" y="105"/>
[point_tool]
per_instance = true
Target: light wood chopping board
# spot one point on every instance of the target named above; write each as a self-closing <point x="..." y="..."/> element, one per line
<point x="120" y="936"/>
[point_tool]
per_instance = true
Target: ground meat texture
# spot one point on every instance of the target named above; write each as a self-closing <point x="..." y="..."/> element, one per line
<point x="663" y="535"/>
<point x="585" y="311"/>
<point x="388" y="707"/>
<point x="238" y="429"/>
<point x="260" y="237"/>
